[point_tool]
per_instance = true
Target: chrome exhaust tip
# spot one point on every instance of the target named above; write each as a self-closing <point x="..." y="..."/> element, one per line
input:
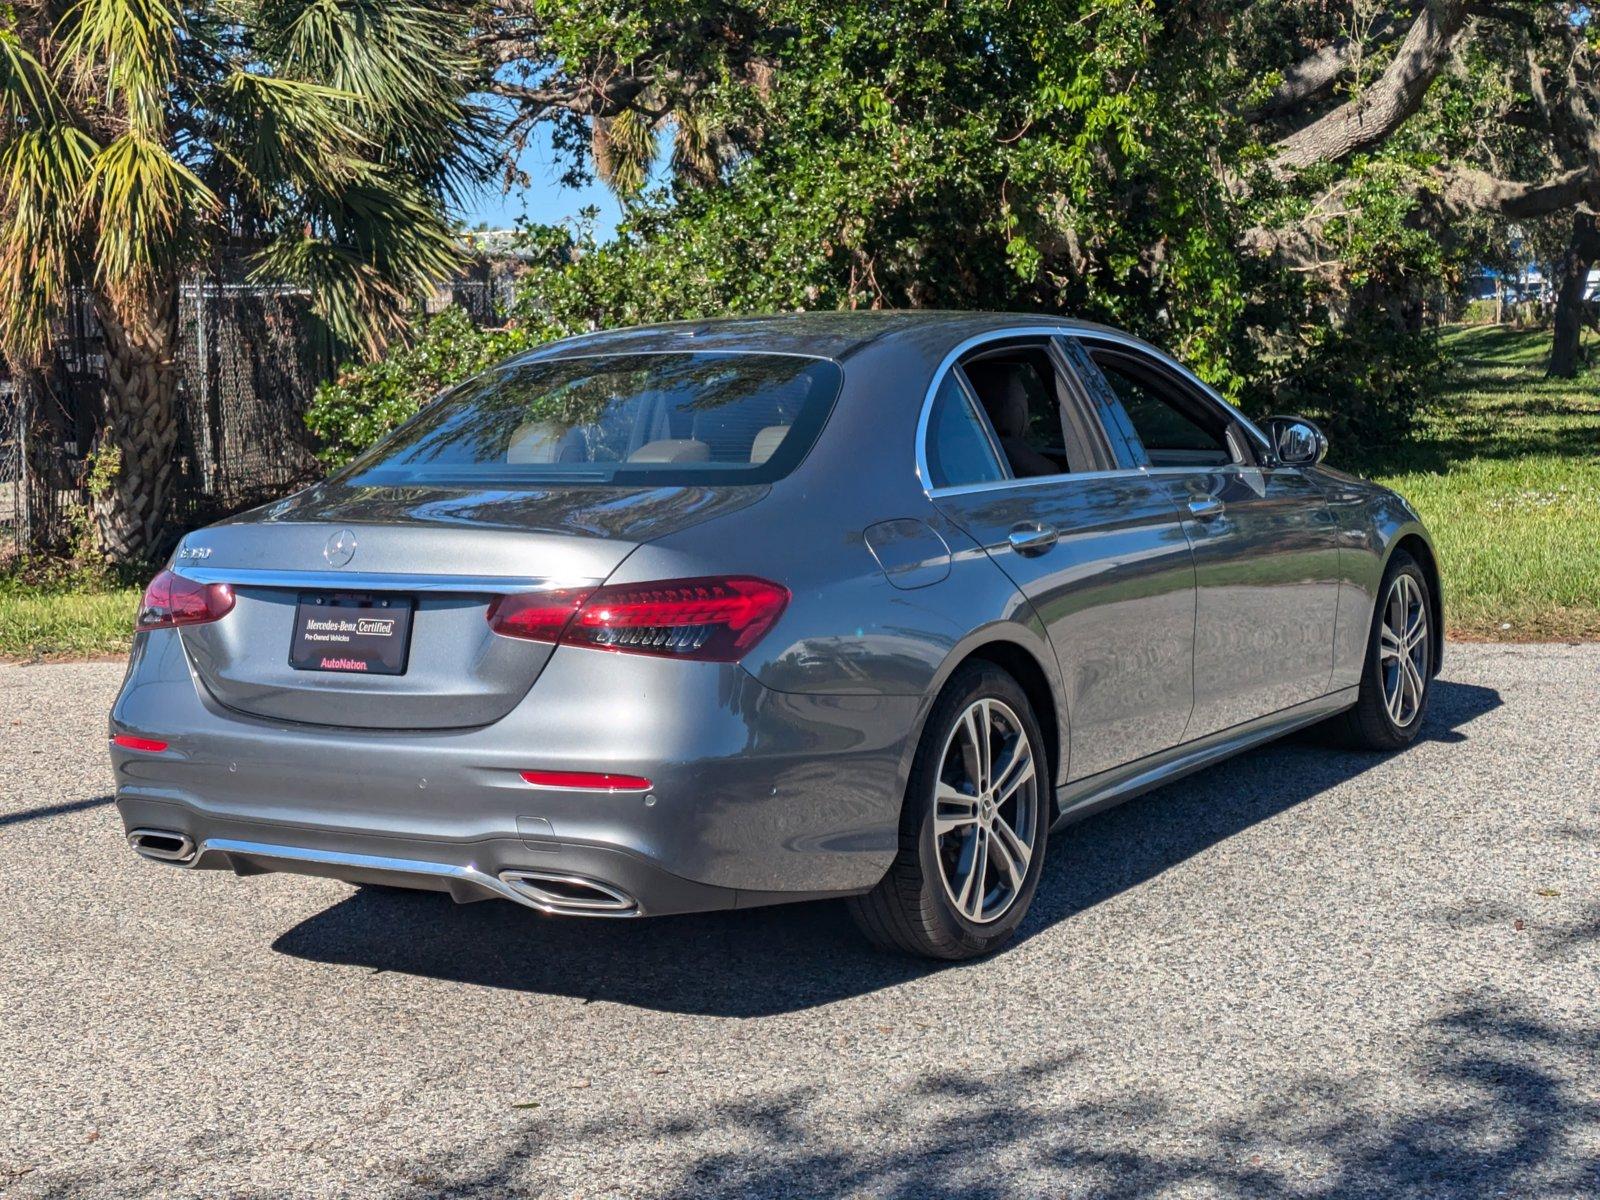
<point x="162" y="845"/>
<point x="559" y="893"/>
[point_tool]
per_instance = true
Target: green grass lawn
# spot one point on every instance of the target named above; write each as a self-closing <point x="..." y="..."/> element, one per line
<point x="1505" y="469"/>
<point x="54" y="622"/>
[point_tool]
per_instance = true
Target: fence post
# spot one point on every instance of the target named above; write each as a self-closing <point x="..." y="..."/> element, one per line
<point x="35" y="501"/>
<point x="23" y="485"/>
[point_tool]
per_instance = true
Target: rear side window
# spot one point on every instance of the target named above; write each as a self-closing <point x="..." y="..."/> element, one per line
<point x="959" y="450"/>
<point x="705" y="418"/>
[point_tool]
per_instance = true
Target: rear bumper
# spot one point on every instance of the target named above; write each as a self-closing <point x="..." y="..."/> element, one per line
<point x="759" y="796"/>
<point x="575" y="880"/>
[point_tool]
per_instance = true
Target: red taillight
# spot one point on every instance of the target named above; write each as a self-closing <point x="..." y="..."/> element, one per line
<point x="536" y="616"/>
<point x="591" y="781"/>
<point x="149" y="745"/>
<point x="711" y="620"/>
<point x="173" y="600"/>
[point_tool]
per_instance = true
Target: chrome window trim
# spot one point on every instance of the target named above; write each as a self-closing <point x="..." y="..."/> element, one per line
<point x="1119" y="473"/>
<point x="373" y="581"/>
<point x="924" y="475"/>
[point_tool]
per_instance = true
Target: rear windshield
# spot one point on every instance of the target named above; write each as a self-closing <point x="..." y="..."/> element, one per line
<point x="702" y="418"/>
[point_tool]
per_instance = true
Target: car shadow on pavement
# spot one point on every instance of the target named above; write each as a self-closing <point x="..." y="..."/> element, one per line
<point x="44" y="812"/>
<point x="758" y="962"/>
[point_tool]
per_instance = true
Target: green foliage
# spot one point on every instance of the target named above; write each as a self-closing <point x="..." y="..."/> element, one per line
<point x="73" y="619"/>
<point x="1366" y="380"/>
<point x="365" y="402"/>
<point x="1083" y="157"/>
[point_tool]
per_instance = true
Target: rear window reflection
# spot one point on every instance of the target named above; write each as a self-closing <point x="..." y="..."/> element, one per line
<point x="617" y="418"/>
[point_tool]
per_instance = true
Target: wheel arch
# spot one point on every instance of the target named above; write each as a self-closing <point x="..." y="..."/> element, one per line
<point x="1422" y="553"/>
<point x="1033" y="676"/>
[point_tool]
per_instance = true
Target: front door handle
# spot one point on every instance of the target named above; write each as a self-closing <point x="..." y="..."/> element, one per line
<point x="1206" y="507"/>
<point x="1033" y="539"/>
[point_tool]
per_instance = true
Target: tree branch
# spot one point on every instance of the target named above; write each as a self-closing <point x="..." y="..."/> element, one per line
<point x="1381" y="108"/>
<point x="1467" y="190"/>
<point x="1314" y="76"/>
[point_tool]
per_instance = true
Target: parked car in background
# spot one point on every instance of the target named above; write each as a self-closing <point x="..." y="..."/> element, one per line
<point x="731" y="613"/>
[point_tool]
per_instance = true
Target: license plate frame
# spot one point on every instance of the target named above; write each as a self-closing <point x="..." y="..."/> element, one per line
<point x="352" y="633"/>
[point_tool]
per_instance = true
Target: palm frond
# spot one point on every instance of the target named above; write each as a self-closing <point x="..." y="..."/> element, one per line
<point x="696" y="146"/>
<point x="406" y="60"/>
<point x="40" y="170"/>
<point x="146" y="208"/>
<point x="337" y="131"/>
<point x="133" y="46"/>
<point x="301" y="132"/>
<point x="28" y="95"/>
<point x="624" y="151"/>
<point x="370" y="254"/>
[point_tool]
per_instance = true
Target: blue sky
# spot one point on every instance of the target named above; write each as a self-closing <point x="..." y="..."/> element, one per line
<point x="544" y="200"/>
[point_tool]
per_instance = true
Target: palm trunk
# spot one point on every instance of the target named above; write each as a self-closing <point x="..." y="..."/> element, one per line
<point x="1573" y="276"/>
<point x="130" y="502"/>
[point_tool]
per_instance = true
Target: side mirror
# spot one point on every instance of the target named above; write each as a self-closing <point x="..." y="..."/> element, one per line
<point x="1296" y="441"/>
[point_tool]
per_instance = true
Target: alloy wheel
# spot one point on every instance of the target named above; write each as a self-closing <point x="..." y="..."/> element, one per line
<point x="986" y="811"/>
<point x="1403" y="650"/>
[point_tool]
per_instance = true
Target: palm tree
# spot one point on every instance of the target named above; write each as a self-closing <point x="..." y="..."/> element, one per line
<point x="139" y="139"/>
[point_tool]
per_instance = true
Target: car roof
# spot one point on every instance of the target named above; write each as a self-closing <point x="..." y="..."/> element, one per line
<point x="834" y="335"/>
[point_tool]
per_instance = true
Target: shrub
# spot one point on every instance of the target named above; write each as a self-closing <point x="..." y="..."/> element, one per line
<point x="365" y="402"/>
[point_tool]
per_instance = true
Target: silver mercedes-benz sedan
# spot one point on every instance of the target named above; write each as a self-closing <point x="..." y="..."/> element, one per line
<point x="731" y="613"/>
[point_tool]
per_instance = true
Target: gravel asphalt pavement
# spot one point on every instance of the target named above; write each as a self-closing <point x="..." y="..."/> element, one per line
<point x="1304" y="973"/>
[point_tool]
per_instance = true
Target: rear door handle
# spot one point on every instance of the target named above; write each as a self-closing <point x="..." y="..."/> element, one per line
<point x="1033" y="539"/>
<point x="1207" y="507"/>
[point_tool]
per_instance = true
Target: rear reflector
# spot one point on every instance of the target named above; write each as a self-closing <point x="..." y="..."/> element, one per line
<point x="173" y="600"/>
<point x="149" y="745"/>
<point x="591" y="781"/>
<point x="713" y="619"/>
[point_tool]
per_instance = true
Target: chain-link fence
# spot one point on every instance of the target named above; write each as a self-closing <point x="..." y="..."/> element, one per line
<point x="250" y="357"/>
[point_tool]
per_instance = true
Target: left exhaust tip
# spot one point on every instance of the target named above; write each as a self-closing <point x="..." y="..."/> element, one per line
<point x="162" y="845"/>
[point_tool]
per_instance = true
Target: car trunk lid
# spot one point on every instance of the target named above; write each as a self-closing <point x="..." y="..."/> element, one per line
<point x="445" y="556"/>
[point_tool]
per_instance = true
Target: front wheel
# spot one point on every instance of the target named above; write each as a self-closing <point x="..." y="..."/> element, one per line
<point x="973" y="826"/>
<point x="1398" y="676"/>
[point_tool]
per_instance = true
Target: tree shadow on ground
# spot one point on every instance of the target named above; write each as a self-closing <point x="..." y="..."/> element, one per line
<point x="762" y="961"/>
<point x="1483" y="1097"/>
<point x="1489" y="1100"/>
<point x="1495" y="1101"/>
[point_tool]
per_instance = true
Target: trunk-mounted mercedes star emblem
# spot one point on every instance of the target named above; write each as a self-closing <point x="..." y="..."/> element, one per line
<point x="340" y="548"/>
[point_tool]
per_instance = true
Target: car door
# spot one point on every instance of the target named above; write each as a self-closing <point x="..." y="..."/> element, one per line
<point x="1265" y="541"/>
<point x="1013" y="457"/>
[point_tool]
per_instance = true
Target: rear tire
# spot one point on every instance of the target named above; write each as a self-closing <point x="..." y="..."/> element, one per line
<point x="1398" y="676"/>
<point x="973" y="826"/>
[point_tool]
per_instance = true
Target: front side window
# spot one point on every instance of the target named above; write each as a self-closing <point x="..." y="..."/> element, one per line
<point x="959" y="449"/>
<point x="704" y="418"/>
<point x="1173" y="433"/>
